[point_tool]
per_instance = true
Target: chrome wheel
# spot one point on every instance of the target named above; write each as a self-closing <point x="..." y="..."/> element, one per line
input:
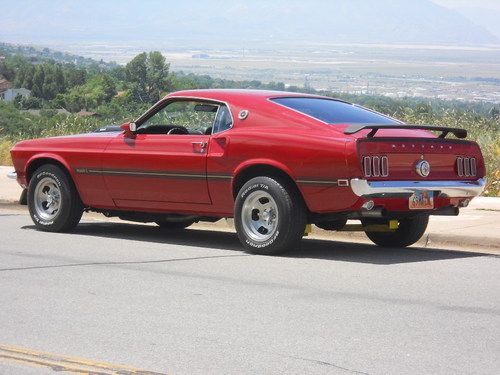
<point x="259" y="216"/>
<point x="47" y="198"/>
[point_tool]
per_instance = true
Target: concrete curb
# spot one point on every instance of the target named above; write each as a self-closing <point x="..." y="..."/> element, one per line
<point x="429" y="240"/>
<point x="487" y="237"/>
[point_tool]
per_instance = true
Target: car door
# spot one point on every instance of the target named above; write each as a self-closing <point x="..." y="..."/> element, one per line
<point x="164" y="163"/>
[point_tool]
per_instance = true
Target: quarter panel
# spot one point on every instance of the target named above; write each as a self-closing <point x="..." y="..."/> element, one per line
<point x="314" y="161"/>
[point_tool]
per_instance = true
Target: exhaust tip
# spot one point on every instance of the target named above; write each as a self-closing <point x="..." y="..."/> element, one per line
<point x="374" y="213"/>
<point x="464" y="203"/>
<point x="368" y="205"/>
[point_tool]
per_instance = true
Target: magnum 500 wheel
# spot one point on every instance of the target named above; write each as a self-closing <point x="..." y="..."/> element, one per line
<point x="269" y="216"/>
<point x="53" y="201"/>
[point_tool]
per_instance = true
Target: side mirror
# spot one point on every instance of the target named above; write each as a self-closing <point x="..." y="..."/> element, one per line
<point x="129" y="129"/>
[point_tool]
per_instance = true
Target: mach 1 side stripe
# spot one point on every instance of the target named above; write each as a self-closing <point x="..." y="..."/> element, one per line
<point x="187" y="175"/>
<point x="155" y="174"/>
<point x="340" y="183"/>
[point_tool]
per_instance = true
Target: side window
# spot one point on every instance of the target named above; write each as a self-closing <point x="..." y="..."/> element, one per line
<point x="223" y="120"/>
<point x="182" y="117"/>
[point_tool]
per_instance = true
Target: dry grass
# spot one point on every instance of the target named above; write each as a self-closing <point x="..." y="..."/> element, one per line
<point x="484" y="131"/>
<point x="5" y="147"/>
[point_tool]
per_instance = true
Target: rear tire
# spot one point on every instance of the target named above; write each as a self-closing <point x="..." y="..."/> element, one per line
<point x="269" y="217"/>
<point x="53" y="202"/>
<point x="410" y="230"/>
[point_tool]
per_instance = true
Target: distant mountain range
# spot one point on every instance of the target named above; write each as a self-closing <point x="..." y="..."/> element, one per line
<point x="239" y="21"/>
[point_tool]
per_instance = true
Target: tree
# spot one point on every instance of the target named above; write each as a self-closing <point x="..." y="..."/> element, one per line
<point x="27" y="81"/>
<point x="96" y="91"/>
<point x="148" y="76"/>
<point x="136" y="73"/>
<point x="74" y="76"/>
<point x="156" y="75"/>
<point x="107" y="86"/>
<point x="37" y="82"/>
<point x="6" y="71"/>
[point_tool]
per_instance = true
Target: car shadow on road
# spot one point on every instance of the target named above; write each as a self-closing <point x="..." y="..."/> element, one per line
<point x="308" y="248"/>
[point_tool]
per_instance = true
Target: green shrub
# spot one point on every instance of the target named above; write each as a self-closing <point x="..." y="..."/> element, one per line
<point x="16" y="125"/>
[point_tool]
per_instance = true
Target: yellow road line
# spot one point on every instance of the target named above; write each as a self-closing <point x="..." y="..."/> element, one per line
<point x="65" y="363"/>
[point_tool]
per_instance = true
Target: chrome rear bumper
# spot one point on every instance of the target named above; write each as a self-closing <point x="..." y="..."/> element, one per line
<point x="12" y="175"/>
<point x="451" y="189"/>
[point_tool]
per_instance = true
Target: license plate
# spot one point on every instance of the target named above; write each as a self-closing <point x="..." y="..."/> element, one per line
<point x="421" y="200"/>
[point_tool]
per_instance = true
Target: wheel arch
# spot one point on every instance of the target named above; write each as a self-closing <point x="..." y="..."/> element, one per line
<point x="268" y="168"/>
<point x="38" y="160"/>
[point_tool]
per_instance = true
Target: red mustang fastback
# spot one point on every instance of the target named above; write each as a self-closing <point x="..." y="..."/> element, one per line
<point x="275" y="161"/>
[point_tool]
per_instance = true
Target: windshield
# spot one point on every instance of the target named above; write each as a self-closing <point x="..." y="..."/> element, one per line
<point x="334" y="111"/>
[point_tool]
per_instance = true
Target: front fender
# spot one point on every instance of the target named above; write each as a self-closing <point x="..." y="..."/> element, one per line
<point x="49" y="156"/>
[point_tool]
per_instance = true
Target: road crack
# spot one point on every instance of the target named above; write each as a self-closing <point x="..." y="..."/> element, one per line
<point x="119" y="263"/>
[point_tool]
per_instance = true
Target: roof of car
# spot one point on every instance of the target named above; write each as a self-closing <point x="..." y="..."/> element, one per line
<point x="222" y="94"/>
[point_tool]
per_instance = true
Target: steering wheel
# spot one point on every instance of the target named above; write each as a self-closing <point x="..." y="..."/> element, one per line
<point x="178" y="130"/>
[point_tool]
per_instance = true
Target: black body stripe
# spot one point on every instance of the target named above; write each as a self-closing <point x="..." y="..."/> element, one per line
<point x="317" y="182"/>
<point x="152" y="174"/>
<point x="185" y="175"/>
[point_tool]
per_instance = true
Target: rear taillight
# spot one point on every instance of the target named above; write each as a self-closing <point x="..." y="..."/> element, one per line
<point x="376" y="166"/>
<point x="466" y="167"/>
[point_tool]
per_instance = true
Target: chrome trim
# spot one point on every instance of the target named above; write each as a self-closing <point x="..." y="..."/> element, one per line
<point x="163" y="102"/>
<point x="423" y="168"/>
<point x="452" y="189"/>
<point x="12" y="174"/>
<point x="203" y="147"/>
<point x="384" y="166"/>
<point x="460" y="167"/>
<point x="243" y="114"/>
<point x="467" y="167"/>
<point x="376" y="166"/>
<point x="367" y="164"/>
<point x="473" y="167"/>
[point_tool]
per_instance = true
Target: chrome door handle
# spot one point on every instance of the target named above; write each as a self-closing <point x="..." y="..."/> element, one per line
<point x="199" y="147"/>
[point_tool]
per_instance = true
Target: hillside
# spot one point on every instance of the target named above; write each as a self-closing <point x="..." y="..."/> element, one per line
<point x="39" y="54"/>
<point x="124" y="92"/>
<point x="238" y="21"/>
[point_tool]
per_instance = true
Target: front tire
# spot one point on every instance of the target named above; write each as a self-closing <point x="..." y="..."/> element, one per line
<point x="269" y="216"/>
<point x="53" y="202"/>
<point x="410" y="230"/>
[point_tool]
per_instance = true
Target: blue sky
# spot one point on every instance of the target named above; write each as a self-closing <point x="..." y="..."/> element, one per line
<point x="358" y="21"/>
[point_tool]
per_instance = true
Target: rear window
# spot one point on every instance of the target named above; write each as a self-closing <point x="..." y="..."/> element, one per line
<point x="334" y="111"/>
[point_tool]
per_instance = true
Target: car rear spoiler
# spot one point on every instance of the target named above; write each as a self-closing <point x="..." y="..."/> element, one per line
<point x="354" y="128"/>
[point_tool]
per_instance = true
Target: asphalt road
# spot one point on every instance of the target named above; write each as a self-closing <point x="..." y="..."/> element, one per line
<point x="192" y="302"/>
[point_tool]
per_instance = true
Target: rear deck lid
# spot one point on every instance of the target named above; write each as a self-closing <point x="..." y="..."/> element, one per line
<point x="419" y="159"/>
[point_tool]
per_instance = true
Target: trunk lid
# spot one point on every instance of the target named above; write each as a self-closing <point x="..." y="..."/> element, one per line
<point x="400" y="159"/>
